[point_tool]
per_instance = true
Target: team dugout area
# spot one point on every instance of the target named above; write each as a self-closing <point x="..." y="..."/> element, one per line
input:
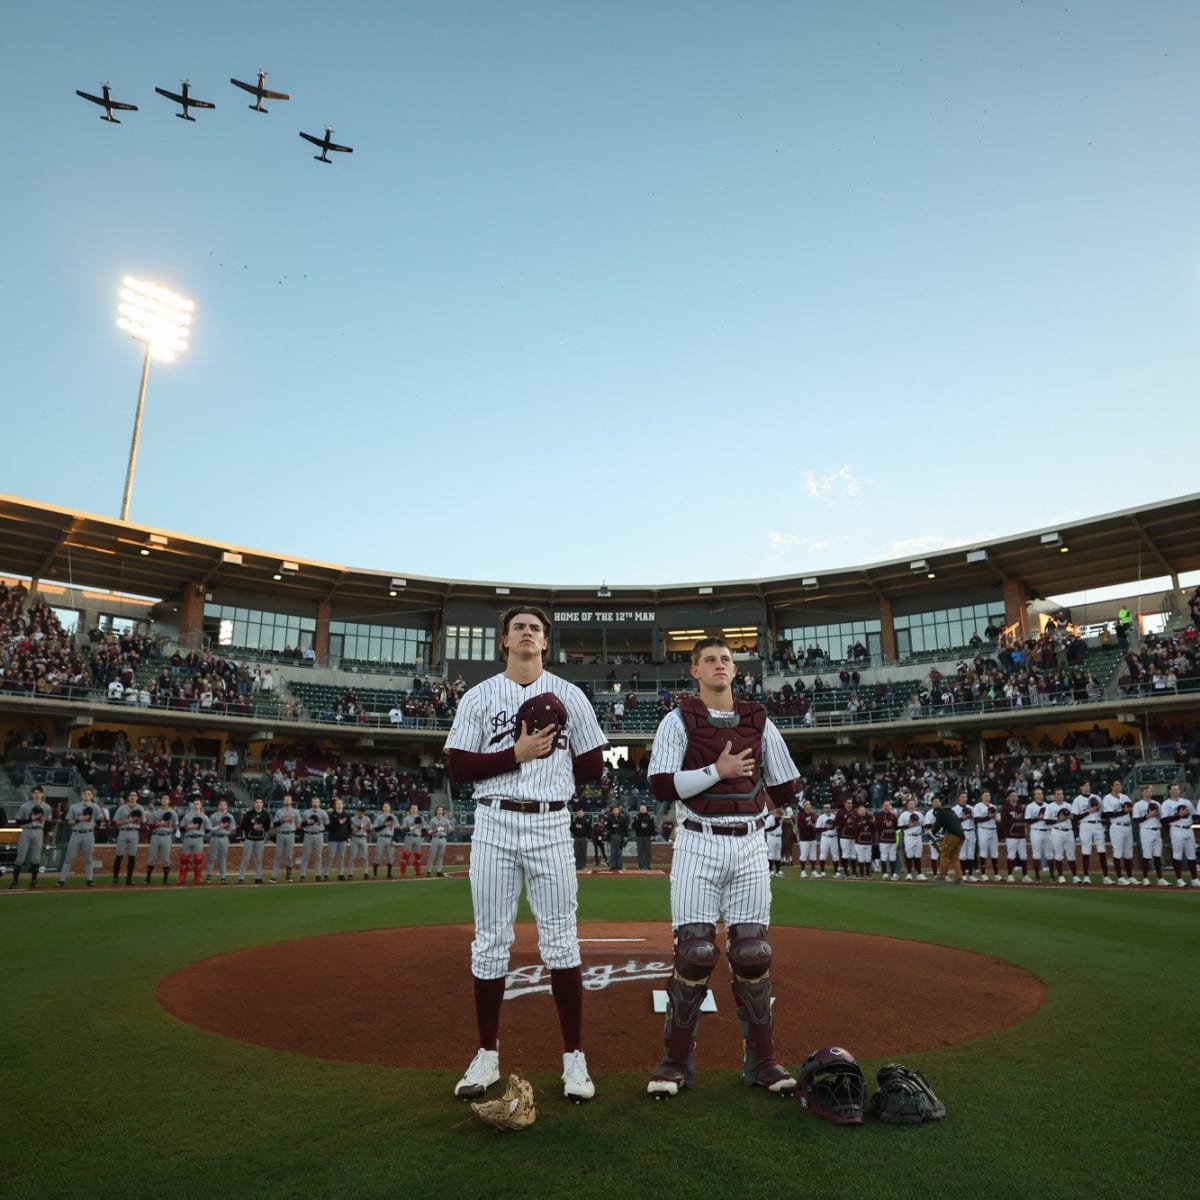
<point x="115" y="637"/>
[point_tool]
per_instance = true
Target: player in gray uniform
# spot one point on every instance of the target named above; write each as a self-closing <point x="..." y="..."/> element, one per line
<point x="81" y="820"/>
<point x="313" y="827"/>
<point x="285" y="823"/>
<point x="254" y="840"/>
<point x="163" y="824"/>
<point x="221" y="829"/>
<point x="387" y="825"/>
<point x="440" y="828"/>
<point x="360" y="843"/>
<point x="128" y="820"/>
<point x="195" y="825"/>
<point x="31" y="820"/>
<point x="413" y="828"/>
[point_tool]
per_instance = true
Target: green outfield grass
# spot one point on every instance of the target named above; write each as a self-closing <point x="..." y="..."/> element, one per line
<point x="107" y="1094"/>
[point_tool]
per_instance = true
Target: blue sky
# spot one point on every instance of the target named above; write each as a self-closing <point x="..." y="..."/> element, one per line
<point x="640" y="292"/>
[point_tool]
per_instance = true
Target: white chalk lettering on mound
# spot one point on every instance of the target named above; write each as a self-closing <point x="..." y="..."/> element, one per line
<point x="526" y="981"/>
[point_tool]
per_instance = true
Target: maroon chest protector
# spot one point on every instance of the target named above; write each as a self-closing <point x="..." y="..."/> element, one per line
<point x="707" y="736"/>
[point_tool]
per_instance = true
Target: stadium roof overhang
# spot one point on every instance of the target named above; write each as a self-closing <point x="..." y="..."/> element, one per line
<point x="75" y="548"/>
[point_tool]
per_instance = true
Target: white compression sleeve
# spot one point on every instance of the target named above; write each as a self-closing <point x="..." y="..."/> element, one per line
<point x="692" y="783"/>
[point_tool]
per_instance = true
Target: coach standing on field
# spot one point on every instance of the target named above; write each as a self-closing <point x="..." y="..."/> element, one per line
<point x="526" y="739"/>
<point x="949" y="828"/>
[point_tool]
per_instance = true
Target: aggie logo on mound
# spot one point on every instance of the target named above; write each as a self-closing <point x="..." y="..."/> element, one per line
<point x="527" y="981"/>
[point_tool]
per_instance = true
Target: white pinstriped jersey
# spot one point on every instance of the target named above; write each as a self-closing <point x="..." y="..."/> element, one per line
<point x="670" y="746"/>
<point x="485" y="724"/>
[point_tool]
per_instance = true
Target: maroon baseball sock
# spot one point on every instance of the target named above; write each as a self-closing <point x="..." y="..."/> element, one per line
<point x="566" y="984"/>
<point x="489" y="995"/>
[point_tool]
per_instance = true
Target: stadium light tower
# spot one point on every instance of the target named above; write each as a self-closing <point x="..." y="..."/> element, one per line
<point x="161" y="319"/>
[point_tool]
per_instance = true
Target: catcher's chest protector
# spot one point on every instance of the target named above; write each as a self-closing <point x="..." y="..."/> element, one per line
<point x="706" y="740"/>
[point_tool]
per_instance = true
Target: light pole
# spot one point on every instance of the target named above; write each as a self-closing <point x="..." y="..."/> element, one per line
<point x="162" y="320"/>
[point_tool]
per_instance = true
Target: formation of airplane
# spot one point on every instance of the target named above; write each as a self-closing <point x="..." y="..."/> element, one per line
<point x="326" y="145"/>
<point x="107" y="103"/>
<point x="186" y="101"/>
<point x="259" y="91"/>
<point x="183" y="96"/>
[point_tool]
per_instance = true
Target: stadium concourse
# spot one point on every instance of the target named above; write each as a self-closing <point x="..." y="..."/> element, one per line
<point x="138" y="659"/>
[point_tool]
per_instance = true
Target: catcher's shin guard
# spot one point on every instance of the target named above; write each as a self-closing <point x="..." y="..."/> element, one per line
<point x="198" y="861"/>
<point x="695" y="957"/>
<point x="404" y="857"/>
<point x="417" y="864"/>
<point x="760" y="1068"/>
<point x="185" y="865"/>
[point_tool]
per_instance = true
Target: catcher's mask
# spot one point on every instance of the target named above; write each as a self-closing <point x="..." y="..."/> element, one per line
<point x="831" y="1084"/>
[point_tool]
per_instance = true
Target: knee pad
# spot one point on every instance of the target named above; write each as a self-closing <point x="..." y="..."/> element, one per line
<point x="749" y="951"/>
<point x="695" y="952"/>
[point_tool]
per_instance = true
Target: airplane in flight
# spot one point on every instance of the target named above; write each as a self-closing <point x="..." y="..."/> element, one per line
<point x="260" y="91"/>
<point x="183" y="97"/>
<point x="107" y="103"/>
<point x="326" y="145"/>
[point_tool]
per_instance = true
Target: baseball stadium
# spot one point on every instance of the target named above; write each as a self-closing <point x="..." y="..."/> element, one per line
<point x="273" y="1032"/>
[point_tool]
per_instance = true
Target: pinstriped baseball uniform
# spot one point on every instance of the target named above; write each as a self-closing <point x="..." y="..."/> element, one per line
<point x="714" y="875"/>
<point x="508" y="847"/>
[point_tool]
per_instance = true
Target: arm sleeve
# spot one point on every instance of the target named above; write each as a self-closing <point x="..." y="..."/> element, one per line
<point x="467" y="766"/>
<point x="589" y="766"/>
<point x="683" y="785"/>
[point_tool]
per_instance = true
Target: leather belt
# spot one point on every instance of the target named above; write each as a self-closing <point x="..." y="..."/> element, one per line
<point x="739" y="830"/>
<point x="522" y="806"/>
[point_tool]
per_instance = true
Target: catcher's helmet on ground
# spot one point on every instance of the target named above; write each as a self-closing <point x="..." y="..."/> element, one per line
<point x="540" y="712"/>
<point x="905" y="1097"/>
<point x="831" y="1084"/>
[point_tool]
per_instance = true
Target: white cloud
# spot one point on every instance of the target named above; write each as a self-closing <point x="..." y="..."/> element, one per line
<point x="823" y="487"/>
<point x="929" y="541"/>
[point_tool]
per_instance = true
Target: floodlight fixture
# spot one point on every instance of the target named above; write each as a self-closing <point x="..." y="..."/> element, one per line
<point x="977" y="556"/>
<point x="810" y="583"/>
<point x="1051" y="541"/>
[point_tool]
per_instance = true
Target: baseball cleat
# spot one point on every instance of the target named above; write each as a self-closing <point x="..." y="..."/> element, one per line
<point x="1181" y="883"/>
<point x="577" y="1083"/>
<point x="668" y="1080"/>
<point x="1107" y="879"/>
<point x="921" y="877"/>
<point x="1011" y="878"/>
<point x="1162" y="882"/>
<point x="1195" y="882"/>
<point x="479" y="1076"/>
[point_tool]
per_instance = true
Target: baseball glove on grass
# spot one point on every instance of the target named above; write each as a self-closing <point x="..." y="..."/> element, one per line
<point x="905" y="1097"/>
<point x="515" y="1110"/>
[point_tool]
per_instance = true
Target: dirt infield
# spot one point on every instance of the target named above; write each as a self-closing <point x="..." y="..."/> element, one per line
<point x="402" y="997"/>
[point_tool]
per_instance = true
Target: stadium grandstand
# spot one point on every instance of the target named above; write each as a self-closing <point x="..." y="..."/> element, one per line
<point x="136" y="656"/>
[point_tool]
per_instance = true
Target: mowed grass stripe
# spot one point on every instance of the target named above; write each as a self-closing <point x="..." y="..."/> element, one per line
<point x="1081" y="1099"/>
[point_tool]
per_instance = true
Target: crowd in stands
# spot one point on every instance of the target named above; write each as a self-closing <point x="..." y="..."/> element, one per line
<point x="1161" y="664"/>
<point x="36" y="654"/>
<point x="306" y="774"/>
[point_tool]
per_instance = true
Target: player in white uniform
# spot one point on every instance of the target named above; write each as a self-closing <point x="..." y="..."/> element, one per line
<point x="526" y="739"/>
<point x="1039" y="834"/>
<point x="773" y="831"/>
<point x="987" y="837"/>
<point x="911" y="827"/>
<point x="965" y="812"/>
<point x="1148" y="815"/>
<point x="1179" y="813"/>
<point x="713" y="755"/>
<point x="1057" y="813"/>
<point x="1079" y="809"/>
<point x="1118" y="815"/>
<point x="1091" y="840"/>
<point x="829" y="851"/>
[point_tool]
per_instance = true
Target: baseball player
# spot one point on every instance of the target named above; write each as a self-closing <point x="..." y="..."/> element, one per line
<point x="163" y="822"/>
<point x="1057" y="813"/>
<point x="806" y="838"/>
<point x="714" y="755"/>
<point x="965" y="813"/>
<point x="360" y="843"/>
<point x="929" y="825"/>
<point x="386" y="827"/>
<point x="1118" y="815"/>
<point x="862" y="826"/>
<point x="412" y="828"/>
<point x="527" y="740"/>
<point x="31" y="819"/>
<point x="285" y="823"/>
<point x="987" y="838"/>
<point x="339" y="839"/>
<point x="1179" y="813"/>
<point x="315" y="821"/>
<point x="1091" y="840"/>
<point x="826" y="825"/>
<point x="842" y="820"/>
<point x="912" y="830"/>
<point x="1079" y="809"/>
<point x="773" y="832"/>
<point x="1148" y="815"/>
<point x="886" y="826"/>
<point x="1012" y="829"/>
<point x="193" y="827"/>
<point x="254" y="828"/>
<point x="128" y="820"/>
<point x="81" y="820"/>
<point x="1039" y="834"/>
<point x="440" y="828"/>
<point x="221" y="829"/>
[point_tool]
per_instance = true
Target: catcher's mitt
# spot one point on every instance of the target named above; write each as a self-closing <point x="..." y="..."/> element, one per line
<point x="904" y="1097"/>
<point x="515" y="1110"/>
